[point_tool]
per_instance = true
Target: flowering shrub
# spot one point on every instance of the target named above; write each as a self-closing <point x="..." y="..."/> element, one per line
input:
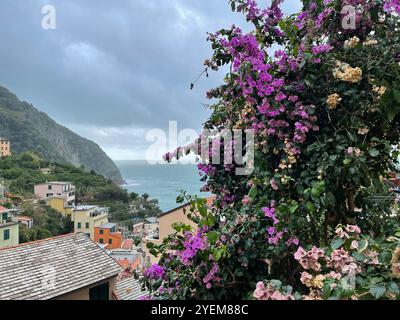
<point x="324" y="107"/>
<point x="353" y="267"/>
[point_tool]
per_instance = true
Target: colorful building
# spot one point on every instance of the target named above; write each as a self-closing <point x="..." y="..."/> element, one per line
<point x="56" y="189"/>
<point x="5" y="147"/>
<point x="60" y="204"/>
<point x="108" y="235"/>
<point x="86" y="218"/>
<point x="9" y="228"/>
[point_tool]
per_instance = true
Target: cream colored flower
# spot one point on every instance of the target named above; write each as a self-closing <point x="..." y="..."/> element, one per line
<point x="363" y="131"/>
<point x="318" y="281"/>
<point x="380" y="91"/>
<point x="370" y="42"/>
<point x="345" y="72"/>
<point x="333" y="100"/>
<point x="351" y="43"/>
<point x="395" y="263"/>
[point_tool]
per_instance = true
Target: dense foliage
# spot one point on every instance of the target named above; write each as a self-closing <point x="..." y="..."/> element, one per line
<point x="325" y="108"/>
<point x="47" y="223"/>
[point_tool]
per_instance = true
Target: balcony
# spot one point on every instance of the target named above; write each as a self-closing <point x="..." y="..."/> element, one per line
<point x="8" y="221"/>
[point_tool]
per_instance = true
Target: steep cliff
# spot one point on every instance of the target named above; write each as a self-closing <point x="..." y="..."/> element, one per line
<point x="32" y="130"/>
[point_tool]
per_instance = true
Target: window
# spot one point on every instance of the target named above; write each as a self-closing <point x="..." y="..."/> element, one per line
<point x="50" y="187"/>
<point x="87" y="225"/>
<point x="109" y="241"/>
<point x="79" y="225"/>
<point x="101" y="241"/>
<point x="6" y="234"/>
<point x="100" y="292"/>
<point x="101" y="231"/>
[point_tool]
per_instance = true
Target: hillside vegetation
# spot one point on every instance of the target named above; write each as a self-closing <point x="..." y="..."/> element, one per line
<point x="21" y="172"/>
<point x="32" y="130"/>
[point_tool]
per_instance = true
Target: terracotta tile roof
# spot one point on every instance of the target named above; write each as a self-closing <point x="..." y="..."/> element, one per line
<point x="24" y="218"/>
<point x="3" y="209"/>
<point x="74" y="259"/>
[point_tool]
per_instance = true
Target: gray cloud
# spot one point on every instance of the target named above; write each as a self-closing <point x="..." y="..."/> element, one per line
<point x="113" y="69"/>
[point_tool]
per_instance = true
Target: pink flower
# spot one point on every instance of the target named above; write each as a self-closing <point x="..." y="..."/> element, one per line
<point x="246" y="200"/>
<point x="258" y="293"/>
<point x="353" y="229"/>
<point x="342" y="234"/>
<point x="260" y="285"/>
<point x="274" y="185"/>
<point x="300" y="253"/>
<point x="305" y="277"/>
<point x="350" y="151"/>
<point x="354" y="245"/>
<point x="271" y="231"/>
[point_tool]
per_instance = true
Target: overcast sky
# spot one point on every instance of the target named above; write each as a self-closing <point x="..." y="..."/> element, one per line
<point x="112" y="70"/>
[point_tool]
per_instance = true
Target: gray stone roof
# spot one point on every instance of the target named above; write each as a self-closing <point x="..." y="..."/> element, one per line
<point x="53" y="267"/>
<point x="130" y="289"/>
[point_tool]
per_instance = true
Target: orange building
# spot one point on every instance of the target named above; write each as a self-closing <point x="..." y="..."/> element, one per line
<point x="5" y="147"/>
<point x="107" y="234"/>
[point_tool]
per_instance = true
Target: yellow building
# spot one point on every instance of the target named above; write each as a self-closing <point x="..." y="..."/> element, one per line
<point x="9" y="228"/>
<point x="60" y="205"/>
<point x="5" y="147"/>
<point x="165" y="223"/>
<point x="86" y="218"/>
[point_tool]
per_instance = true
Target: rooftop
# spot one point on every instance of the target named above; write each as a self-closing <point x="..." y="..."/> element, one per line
<point x="127" y="244"/>
<point x="24" y="218"/>
<point x="130" y="289"/>
<point x="107" y="225"/>
<point x="210" y="202"/>
<point x="152" y="220"/>
<point x="55" y="183"/>
<point x="85" y="208"/>
<point x="75" y="261"/>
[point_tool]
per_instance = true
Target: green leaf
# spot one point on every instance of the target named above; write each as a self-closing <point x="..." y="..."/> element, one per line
<point x="293" y="209"/>
<point x="362" y="245"/>
<point x="393" y="288"/>
<point x="253" y="192"/>
<point x="217" y="255"/>
<point x="396" y="95"/>
<point x="157" y="284"/>
<point x="373" y="152"/>
<point x="326" y="292"/>
<point x="347" y="161"/>
<point x="377" y="291"/>
<point x="212" y="237"/>
<point x="337" y="243"/>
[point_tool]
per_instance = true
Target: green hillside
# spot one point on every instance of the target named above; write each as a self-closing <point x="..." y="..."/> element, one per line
<point x="32" y="130"/>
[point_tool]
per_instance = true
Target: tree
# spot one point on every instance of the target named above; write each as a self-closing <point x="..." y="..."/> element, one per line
<point x="325" y="109"/>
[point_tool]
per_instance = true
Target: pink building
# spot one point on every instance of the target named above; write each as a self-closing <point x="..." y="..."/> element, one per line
<point x="56" y="189"/>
